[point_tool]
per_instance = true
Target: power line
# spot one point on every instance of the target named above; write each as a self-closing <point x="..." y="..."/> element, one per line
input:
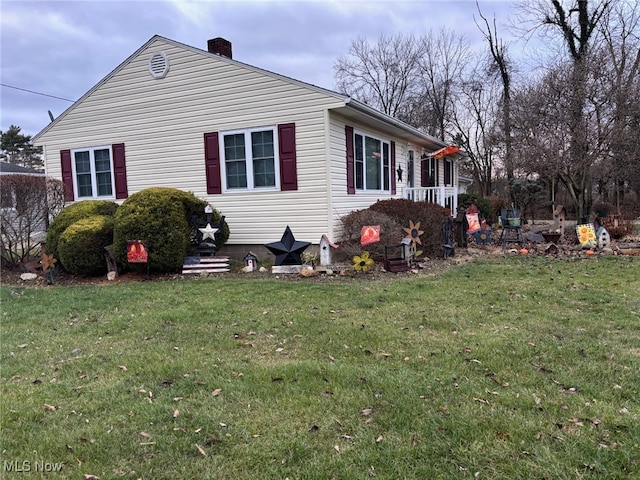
<point x="36" y="93"/>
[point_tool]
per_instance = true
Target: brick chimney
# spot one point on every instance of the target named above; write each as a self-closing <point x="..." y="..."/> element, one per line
<point x="219" y="46"/>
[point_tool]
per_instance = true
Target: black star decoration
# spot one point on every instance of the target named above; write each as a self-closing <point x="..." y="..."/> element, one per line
<point x="288" y="249"/>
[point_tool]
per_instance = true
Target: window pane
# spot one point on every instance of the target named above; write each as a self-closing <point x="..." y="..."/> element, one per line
<point x="84" y="185"/>
<point x="235" y="161"/>
<point x="103" y="181"/>
<point x="236" y="174"/>
<point x="262" y="150"/>
<point x="385" y="166"/>
<point x="83" y="164"/>
<point x="373" y="163"/>
<point x="234" y="147"/>
<point x="359" y="161"/>
<point x="103" y="172"/>
<point x="83" y="174"/>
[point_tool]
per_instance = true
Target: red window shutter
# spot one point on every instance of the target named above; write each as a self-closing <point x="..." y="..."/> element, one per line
<point x="287" y="153"/>
<point x="351" y="185"/>
<point x="120" y="170"/>
<point x="67" y="175"/>
<point x="393" y="168"/>
<point x="212" y="163"/>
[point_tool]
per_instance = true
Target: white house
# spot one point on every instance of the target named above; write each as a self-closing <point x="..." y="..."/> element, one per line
<point x="266" y="150"/>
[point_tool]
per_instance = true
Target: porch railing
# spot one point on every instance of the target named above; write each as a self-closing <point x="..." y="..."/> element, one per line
<point x="444" y="196"/>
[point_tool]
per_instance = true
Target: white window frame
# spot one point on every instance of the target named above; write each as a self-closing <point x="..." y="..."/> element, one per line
<point x="381" y="164"/>
<point x="249" y="159"/>
<point x="94" y="183"/>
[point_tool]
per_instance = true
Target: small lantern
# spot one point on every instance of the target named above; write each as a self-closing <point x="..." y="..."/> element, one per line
<point x="251" y="262"/>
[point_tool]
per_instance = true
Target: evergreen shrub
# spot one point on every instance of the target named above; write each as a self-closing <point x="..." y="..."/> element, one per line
<point x="81" y="245"/>
<point x="71" y="214"/>
<point x="165" y="218"/>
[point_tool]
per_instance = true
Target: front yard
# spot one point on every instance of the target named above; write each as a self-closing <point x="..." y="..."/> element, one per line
<point x="501" y="368"/>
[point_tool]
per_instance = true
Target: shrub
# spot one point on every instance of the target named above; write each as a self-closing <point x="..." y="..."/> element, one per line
<point x="165" y="218"/>
<point x="81" y="245"/>
<point x="28" y="202"/>
<point x="430" y="216"/>
<point x="392" y="216"/>
<point x="390" y="233"/>
<point x="71" y="214"/>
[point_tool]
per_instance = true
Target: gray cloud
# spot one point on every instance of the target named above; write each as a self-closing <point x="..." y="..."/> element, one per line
<point x="63" y="48"/>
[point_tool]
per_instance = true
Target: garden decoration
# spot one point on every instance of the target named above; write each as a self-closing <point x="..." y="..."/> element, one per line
<point x="414" y="232"/>
<point x="603" y="238"/>
<point x="362" y="262"/>
<point x="288" y="250"/>
<point x="448" y="238"/>
<point x="49" y="268"/>
<point x="369" y="234"/>
<point x="483" y="236"/>
<point x="586" y="235"/>
<point x="325" y="250"/>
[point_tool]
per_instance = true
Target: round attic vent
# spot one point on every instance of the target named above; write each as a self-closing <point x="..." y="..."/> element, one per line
<point x="158" y="65"/>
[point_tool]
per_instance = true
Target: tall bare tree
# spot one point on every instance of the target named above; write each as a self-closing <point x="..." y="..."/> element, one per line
<point x="501" y="66"/>
<point x="445" y="56"/>
<point x="382" y="74"/>
<point x="576" y="22"/>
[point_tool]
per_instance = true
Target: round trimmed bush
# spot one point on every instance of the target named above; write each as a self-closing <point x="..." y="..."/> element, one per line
<point x="71" y="214"/>
<point x="81" y="245"/>
<point x="164" y="217"/>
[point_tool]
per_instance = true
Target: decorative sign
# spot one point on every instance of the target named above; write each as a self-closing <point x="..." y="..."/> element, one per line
<point x="369" y="234"/>
<point x="137" y="251"/>
<point x="586" y="235"/>
<point x="474" y="223"/>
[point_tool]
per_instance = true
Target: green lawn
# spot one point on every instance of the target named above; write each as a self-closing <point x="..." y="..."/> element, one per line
<point x="514" y="368"/>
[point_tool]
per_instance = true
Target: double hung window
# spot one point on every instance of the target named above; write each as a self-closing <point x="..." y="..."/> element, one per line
<point x="93" y="172"/>
<point x="250" y="159"/>
<point x="372" y="163"/>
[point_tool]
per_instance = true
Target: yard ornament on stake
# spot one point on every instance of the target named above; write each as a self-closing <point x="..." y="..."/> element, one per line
<point x="288" y="250"/>
<point x="414" y="232"/>
<point x="586" y="235"/>
<point x="369" y="234"/>
<point x="362" y="263"/>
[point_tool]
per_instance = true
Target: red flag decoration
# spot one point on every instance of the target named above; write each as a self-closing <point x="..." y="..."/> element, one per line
<point x="369" y="234"/>
<point x="448" y="150"/>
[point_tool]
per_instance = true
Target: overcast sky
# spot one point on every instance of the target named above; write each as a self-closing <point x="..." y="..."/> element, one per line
<point x="64" y="48"/>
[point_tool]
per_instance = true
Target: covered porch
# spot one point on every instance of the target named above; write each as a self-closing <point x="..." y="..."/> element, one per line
<point x="447" y="197"/>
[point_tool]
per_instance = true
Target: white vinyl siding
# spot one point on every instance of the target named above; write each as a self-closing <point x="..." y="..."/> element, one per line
<point x="162" y="123"/>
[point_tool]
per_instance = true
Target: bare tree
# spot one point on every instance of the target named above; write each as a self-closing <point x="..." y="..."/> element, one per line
<point x="474" y="121"/>
<point x="576" y="23"/>
<point x="380" y="74"/>
<point x="501" y="66"/>
<point x="445" y="56"/>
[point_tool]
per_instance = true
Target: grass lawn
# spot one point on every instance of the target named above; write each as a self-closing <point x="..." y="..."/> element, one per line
<point x="512" y="368"/>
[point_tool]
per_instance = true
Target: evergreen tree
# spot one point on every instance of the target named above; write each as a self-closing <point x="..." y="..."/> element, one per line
<point x="17" y="149"/>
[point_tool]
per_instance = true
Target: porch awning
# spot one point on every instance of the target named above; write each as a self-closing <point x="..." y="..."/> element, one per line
<point x="448" y="150"/>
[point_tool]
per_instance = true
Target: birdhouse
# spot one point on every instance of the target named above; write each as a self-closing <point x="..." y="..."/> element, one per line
<point x="251" y="262"/>
<point x="325" y="250"/>
<point x="559" y="218"/>
<point x="603" y="238"/>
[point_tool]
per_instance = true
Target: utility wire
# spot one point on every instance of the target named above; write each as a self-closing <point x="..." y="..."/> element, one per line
<point x="36" y="93"/>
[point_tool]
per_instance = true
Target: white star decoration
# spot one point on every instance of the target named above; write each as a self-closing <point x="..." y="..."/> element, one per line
<point x="208" y="232"/>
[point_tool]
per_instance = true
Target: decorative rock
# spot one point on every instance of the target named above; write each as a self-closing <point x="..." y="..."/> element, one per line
<point x="263" y="270"/>
<point x="111" y="276"/>
<point x="309" y="273"/>
<point x="28" y="276"/>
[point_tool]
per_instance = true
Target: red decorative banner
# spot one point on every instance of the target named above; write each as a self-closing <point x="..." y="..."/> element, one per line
<point x="137" y="251"/>
<point x="369" y="234"/>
